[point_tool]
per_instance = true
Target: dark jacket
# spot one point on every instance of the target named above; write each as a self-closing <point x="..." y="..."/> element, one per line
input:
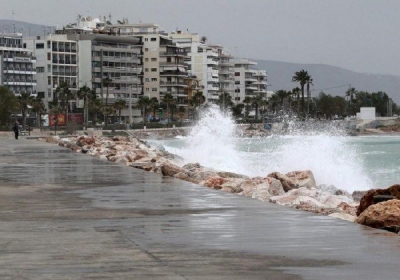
<point x="16" y="127"/>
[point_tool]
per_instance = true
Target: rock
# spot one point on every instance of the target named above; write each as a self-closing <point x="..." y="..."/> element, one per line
<point x="381" y="215"/>
<point x="357" y="195"/>
<point x="343" y="216"/>
<point x="232" y="185"/>
<point x="224" y="174"/>
<point x="191" y="166"/>
<point x="214" y="182"/>
<point x="271" y="187"/>
<point x="169" y="169"/>
<point x="303" y="178"/>
<point x="287" y="183"/>
<point x="368" y="199"/>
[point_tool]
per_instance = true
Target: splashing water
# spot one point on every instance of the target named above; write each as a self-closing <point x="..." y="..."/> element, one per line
<point x="323" y="150"/>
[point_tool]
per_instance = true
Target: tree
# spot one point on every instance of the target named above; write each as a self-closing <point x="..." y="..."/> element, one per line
<point x="256" y="101"/>
<point x="95" y="105"/>
<point x="237" y="110"/>
<point x="296" y="92"/>
<point x="86" y="93"/>
<point x="24" y="100"/>
<point x="154" y="105"/>
<point x="56" y="109"/>
<point x="181" y="112"/>
<point x="119" y="105"/>
<point x="196" y="101"/>
<point x="8" y="105"/>
<point x="302" y="77"/>
<point x="224" y="101"/>
<point x="203" y="39"/>
<point x="106" y="82"/>
<point x="144" y="103"/>
<point x="247" y="100"/>
<point x="168" y="99"/>
<point x="64" y="94"/>
<point x="281" y="95"/>
<point x="39" y="107"/>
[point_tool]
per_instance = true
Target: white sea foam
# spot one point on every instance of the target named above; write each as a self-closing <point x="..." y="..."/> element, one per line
<point x="331" y="158"/>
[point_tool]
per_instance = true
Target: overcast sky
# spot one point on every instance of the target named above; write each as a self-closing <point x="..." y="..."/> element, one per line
<point x="359" y="35"/>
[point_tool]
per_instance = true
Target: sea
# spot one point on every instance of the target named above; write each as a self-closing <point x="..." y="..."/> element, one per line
<point x="346" y="162"/>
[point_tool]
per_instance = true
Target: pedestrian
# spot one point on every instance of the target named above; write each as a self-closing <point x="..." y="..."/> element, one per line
<point x="16" y="129"/>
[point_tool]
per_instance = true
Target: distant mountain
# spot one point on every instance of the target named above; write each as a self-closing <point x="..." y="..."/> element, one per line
<point x="27" y="29"/>
<point x="330" y="79"/>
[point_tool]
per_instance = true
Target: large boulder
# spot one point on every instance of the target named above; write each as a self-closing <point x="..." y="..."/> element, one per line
<point x="368" y="199"/>
<point x="381" y="215"/>
<point x="295" y="179"/>
<point x="169" y="169"/>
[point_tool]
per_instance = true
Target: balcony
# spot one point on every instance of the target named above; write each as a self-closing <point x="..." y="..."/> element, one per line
<point x="182" y="54"/>
<point x="173" y="84"/>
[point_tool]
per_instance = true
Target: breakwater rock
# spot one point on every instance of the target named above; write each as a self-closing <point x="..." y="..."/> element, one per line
<point x="296" y="189"/>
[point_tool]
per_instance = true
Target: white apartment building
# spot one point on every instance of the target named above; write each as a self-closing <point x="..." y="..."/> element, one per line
<point x="164" y="66"/>
<point x="249" y="81"/>
<point x="81" y="57"/>
<point x="57" y="62"/>
<point x="17" y="65"/>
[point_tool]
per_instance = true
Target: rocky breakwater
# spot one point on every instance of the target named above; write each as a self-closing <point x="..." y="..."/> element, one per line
<point x="380" y="208"/>
<point x="296" y="189"/>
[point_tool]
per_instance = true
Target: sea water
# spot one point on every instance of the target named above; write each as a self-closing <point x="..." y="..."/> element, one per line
<point x="347" y="162"/>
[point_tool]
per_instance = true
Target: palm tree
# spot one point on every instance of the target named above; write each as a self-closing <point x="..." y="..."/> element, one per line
<point x="281" y="94"/>
<point x="203" y="39"/>
<point x="39" y="108"/>
<point x="168" y="99"/>
<point x="119" y="105"/>
<point x="95" y="105"/>
<point x="144" y="103"/>
<point x="256" y="101"/>
<point x="351" y="93"/>
<point x="247" y="100"/>
<point x="302" y="77"/>
<point x="24" y="100"/>
<point x="65" y="95"/>
<point x="106" y="82"/>
<point x="154" y="105"/>
<point x="85" y="93"/>
<point x="56" y="109"/>
<point x="296" y="93"/>
<point x="309" y="82"/>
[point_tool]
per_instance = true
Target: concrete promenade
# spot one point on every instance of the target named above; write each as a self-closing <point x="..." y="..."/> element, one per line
<point x="65" y="215"/>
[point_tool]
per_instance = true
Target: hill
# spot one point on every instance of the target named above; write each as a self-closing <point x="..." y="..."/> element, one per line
<point x="330" y="79"/>
<point x="27" y="29"/>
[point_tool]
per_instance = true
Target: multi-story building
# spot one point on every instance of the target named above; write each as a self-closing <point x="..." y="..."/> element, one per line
<point x="164" y="66"/>
<point x="249" y="81"/>
<point x="57" y="62"/>
<point x="211" y="65"/>
<point x="81" y="55"/>
<point x="17" y="65"/>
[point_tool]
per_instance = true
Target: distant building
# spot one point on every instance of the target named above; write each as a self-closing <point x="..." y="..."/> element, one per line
<point x="17" y="65"/>
<point x="249" y="81"/>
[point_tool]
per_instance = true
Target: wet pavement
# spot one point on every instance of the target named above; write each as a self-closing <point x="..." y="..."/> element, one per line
<point x="65" y="215"/>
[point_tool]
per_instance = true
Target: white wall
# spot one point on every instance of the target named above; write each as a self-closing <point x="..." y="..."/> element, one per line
<point x="366" y="113"/>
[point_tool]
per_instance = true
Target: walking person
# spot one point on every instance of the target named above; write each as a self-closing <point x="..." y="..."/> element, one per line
<point x="16" y="129"/>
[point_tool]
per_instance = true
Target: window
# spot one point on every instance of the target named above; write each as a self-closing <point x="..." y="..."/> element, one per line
<point x="237" y="73"/>
<point x="147" y="89"/>
<point x="48" y="56"/>
<point x="154" y="89"/>
<point x="153" y="39"/>
<point x="146" y="70"/>
<point x="154" y="79"/>
<point x="146" y="39"/>
<point x="146" y="49"/>
<point x="237" y="82"/>
<point x="40" y="69"/>
<point x="147" y="79"/>
<point x="154" y="59"/>
<point x="40" y="45"/>
<point x="146" y="59"/>
<point x="41" y="94"/>
<point x="153" y="69"/>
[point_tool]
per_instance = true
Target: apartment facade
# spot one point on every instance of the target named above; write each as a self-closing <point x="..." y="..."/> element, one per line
<point x="249" y="81"/>
<point x="164" y="62"/>
<point x="17" y="65"/>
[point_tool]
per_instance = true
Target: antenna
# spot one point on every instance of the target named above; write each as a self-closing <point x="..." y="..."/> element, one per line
<point x="12" y="14"/>
<point x="109" y="16"/>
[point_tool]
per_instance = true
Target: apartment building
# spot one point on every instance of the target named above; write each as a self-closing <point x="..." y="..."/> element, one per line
<point x="81" y="55"/>
<point x="57" y="62"/>
<point x="249" y="81"/>
<point x="17" y="65"/>
<point x="211" y="65"/>
<point x="164" y="62"/>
